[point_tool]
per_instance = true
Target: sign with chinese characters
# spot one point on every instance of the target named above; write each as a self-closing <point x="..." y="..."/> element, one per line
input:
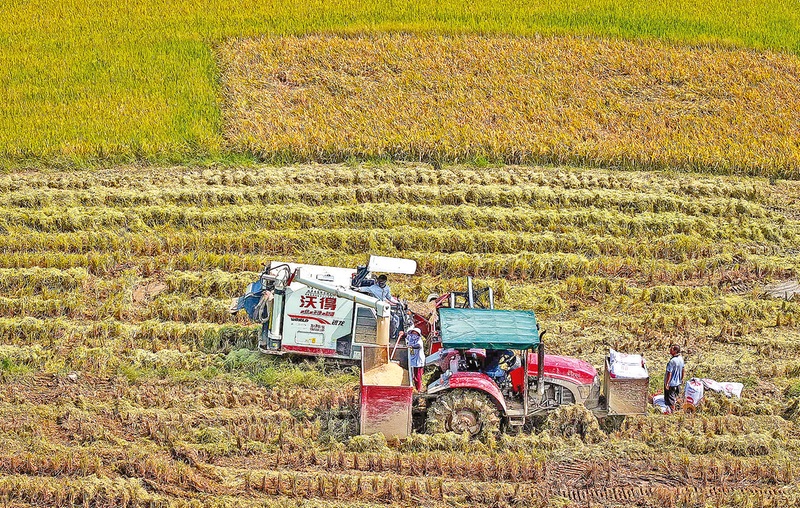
<point x="315" y="318"/>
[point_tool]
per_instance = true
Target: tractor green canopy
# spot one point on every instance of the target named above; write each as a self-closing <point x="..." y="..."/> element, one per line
<point x="488" y="329"/>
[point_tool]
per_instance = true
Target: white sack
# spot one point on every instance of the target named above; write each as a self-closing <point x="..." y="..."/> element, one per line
<point x="728" y="389"/>
<point x="694" y="391"/>
<point x="732" y="389"/>
<point x="658" y="401"/>
<point x="627" y="366"/>
<point x="625" y="371"/>
<point x="617" y="357"/>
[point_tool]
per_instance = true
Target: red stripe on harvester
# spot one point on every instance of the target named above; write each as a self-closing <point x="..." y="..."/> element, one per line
<point x="312" y="350"/>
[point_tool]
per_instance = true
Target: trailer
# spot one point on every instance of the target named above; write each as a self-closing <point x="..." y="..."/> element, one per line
<point x="385" y="408"/>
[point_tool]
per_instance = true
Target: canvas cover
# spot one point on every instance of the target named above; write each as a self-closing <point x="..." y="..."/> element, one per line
<point x="488" y="329"/>
<point x="249" y="301"/>
<point x="391" y="265"/>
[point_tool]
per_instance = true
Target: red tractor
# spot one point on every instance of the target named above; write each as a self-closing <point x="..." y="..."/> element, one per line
<point x="492" y="371"/>
<point x="493" y="368"/>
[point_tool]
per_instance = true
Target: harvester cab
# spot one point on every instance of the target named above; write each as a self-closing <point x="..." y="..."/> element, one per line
<point x="364" y="275"/>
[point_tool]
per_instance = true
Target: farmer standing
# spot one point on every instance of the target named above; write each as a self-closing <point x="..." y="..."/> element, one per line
<point x="673" y="378"/>
<point x="417" y="355"/>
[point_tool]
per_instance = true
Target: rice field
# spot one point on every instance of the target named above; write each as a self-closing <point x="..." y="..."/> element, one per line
<point x="104" y="83"/>
<point x="563" y="100"/>
<point x="487" y="140"/>
<point x="124" y="381"/>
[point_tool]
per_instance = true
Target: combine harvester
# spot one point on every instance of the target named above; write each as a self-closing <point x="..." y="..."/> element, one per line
<point x="491" y="364"/>
<point x="318" y="311"/>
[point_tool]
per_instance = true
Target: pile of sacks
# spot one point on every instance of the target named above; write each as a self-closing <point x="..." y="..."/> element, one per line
<point x="626" y="366"/>
<point x="696" y="387"/>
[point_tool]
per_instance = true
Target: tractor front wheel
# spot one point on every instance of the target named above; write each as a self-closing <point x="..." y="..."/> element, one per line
<point x="467" y="412"/>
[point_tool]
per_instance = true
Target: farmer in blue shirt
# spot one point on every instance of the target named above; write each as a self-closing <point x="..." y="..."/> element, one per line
<point x="417" y="355"/>
<point x="673" y="378"/>
<point x="380" y="290"/>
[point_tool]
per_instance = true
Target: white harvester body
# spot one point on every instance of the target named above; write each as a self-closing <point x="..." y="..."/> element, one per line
<point x="315" y="311"/>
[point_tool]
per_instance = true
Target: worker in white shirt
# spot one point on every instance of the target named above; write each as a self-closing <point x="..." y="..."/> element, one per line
<point x="416" y="350"/>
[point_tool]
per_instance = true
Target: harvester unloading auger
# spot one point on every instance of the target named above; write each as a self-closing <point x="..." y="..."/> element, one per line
<point x="490" y="367"/>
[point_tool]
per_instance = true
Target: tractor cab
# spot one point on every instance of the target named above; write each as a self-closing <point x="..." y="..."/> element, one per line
<point x="485" y="354"/>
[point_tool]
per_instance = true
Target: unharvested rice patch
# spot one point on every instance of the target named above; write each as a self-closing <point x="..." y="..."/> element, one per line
<point x="552" y="99"/>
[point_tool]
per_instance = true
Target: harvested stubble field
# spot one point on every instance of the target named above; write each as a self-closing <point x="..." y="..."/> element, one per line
<point x="520" y="100"/>
<point x="123" y="381"/>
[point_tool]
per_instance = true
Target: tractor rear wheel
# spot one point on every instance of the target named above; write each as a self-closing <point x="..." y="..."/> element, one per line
<point x="467" y="412"/>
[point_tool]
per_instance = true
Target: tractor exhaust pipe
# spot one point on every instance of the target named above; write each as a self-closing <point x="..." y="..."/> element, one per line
<point x="540" y="370"/>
